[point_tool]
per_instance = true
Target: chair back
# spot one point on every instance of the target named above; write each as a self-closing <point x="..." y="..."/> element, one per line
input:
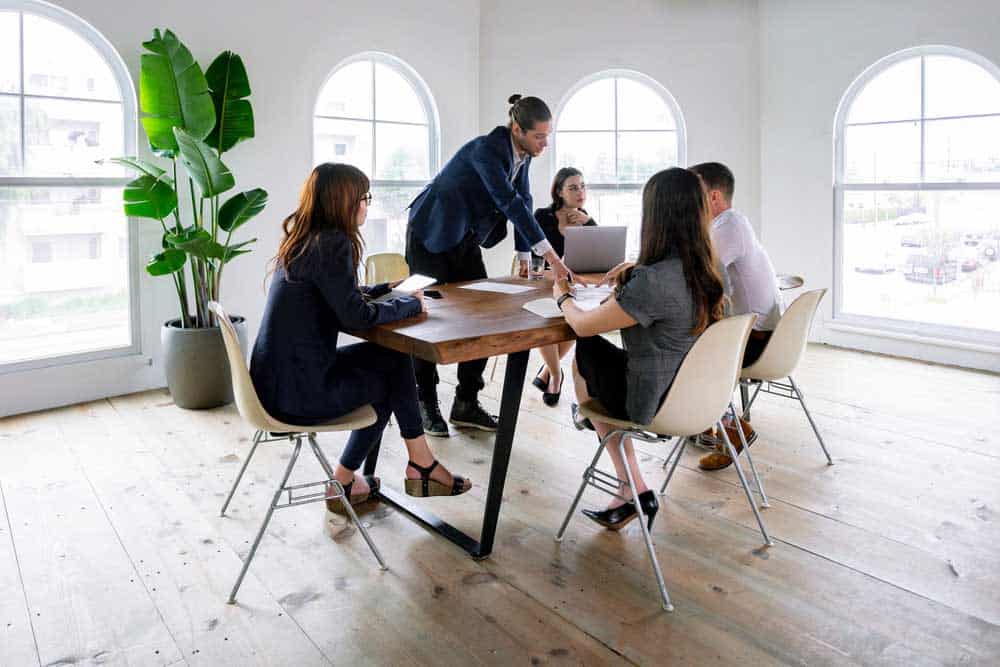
<point x="247" y="401"/>
<point x="703" y="386"/>
<point x="788" y="342"/>
<point x="385" y="267"/>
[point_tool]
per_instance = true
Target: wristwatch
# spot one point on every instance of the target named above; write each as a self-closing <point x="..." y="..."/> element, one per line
<point x="560" y="300"/>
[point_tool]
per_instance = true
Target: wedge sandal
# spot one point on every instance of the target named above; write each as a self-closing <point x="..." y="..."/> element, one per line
<point x="337" y="507"/>
<point x="425" y="486"/>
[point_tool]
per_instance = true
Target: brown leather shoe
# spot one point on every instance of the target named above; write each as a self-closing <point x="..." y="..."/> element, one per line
<point x="717" y="460"/>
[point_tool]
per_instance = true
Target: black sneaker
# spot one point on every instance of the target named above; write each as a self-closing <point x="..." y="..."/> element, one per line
<point x="471" y="413"/>
<point x="434" y="424"/>
<point x="579" y="421"/>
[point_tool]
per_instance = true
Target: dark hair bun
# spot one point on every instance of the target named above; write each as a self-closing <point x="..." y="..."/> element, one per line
<point x="513" y="98"/>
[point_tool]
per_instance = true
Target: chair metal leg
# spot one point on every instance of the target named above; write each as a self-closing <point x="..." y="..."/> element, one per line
<point x="267" y="519"/>
<point x="579" y="493"/>
<point x="743" y="481"/>
<point x="673" y="450"/>
<point x="257" y="437"/>
<point x="664" y="596"/>
<point x="756" y="392"/>
<point x="802" y="401"/>
<point x="328" y="469"/>
<point x="683" y="445"/>
<point x="746" y="450"/>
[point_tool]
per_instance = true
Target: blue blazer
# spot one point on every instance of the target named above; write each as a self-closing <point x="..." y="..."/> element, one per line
<point x="473" y="192"/>
<point x="294" y="362"/>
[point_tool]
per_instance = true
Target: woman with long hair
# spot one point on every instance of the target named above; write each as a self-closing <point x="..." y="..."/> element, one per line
<point x="661" y="304"/>
<point x="300" y="374"/>
<point x="569" y="194"/>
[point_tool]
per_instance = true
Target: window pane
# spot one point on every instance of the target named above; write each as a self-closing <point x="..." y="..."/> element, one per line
<point x="894" y="94"/>
<point x="10" y="53"/>
<point x="642" y="154"/>
<point x="957" y="87"/>
<point x="61" y="292"/>
<point x="401" y="152"/>
<point x="618" y="208"/>
<point x="593" y="153"/>
<point x="64" y="137"/>
<point x="591" y="108"/>
<point x="348" y="93"/>
<point x="641" y="108"/>
<point x="385" y="229"/>
<point x="882" y="153"/>
<point x="926" y="257"/>
<point x="59" y="62"/>
<point x="395" y="98"/>
<point x="10" y="135"/>
<point x="962" y="150"/>
<point x="347" y="141"/>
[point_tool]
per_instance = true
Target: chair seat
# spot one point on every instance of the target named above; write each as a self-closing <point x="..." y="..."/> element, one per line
<point x="356" y="419"/>
<point x="593" y="409"/>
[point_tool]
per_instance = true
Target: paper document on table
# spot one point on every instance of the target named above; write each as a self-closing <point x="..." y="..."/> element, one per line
<point x="543" y="307"/>
<point x="408" y="287"/>
<point x="502" y="288"/>
<point x="589" y="297"/>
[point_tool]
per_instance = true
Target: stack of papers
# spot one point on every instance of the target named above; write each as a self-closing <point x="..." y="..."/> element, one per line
<point x="500" y="288"/>
<point x="587" y="298"/>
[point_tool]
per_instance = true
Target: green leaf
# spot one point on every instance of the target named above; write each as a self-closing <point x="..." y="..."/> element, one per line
<point x="234" y="251"/>
<point x="140" y="166"/>
<point x="149" y="197"/>
<point x="168" y="261"/>
<point x="240" y="208"/>
<point x="229" y="85"/>
<point x="173" y="92"/>
<point x="203" y="165"/>
<point x="196" y="242"/>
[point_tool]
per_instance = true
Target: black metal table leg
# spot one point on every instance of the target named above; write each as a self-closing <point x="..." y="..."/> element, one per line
<point x="510" y="404"/>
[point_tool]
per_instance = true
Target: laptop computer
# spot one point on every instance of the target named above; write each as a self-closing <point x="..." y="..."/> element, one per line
<point x="594" y="249"/>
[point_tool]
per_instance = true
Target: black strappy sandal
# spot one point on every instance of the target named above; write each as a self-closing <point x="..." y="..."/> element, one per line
<point x="337" y="507"/>
<point x="426" y="487"/>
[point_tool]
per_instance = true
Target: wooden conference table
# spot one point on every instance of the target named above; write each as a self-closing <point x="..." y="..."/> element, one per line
<point x="464" y="325"/>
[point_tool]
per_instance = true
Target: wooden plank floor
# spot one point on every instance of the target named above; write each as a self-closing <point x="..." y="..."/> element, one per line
<point x="112" y="550"/>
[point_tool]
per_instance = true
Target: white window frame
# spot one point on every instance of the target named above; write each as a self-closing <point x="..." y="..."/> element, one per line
<point x="423" y="95"/>
<point x="840" y="187"/>
<point x="130" y="121"/>
<point x="638" y="77"/>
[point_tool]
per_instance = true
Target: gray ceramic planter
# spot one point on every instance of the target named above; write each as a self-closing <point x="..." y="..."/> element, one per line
<point x="196" y="365"/>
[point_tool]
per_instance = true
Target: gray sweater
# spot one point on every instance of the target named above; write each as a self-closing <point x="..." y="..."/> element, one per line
<point x="658" y="298"/>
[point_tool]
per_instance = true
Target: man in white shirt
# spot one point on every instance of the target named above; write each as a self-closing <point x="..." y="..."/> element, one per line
<point x="749" y="280"/>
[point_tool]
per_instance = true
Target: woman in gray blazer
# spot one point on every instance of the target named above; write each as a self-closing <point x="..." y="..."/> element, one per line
<point x="660" y="305"/>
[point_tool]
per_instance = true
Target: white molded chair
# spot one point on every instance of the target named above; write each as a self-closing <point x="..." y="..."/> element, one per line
<point x="385" y="267"/>
<point x="699" y="396"/>
<point x="782" y="355"/>
<point x="254" y="414"/>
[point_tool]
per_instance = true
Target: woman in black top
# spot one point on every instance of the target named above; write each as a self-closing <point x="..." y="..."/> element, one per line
<point x="300" y="374"/>
<point x="569" y="193"/>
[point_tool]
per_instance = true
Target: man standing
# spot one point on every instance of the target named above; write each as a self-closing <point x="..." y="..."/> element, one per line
<point x="466" y="206"/>
<point x="750" y="283"/>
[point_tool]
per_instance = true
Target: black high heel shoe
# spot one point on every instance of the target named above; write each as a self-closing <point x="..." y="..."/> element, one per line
<point x="538" y="383"/>
<point x="617" y="518"/>
<point x="551" y="399"/>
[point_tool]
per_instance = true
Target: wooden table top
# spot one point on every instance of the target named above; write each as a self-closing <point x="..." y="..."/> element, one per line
<point x="470" y="324"/>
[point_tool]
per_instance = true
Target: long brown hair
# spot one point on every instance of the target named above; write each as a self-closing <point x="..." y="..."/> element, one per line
<point x="675" y="222"/>
<point x="330" y="199"/>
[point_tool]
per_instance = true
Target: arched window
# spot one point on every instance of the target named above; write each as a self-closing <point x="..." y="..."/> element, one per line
<point x="376" y="113"/>
<point x="917" y="195"/>
<point x="619" y="128"/>
<point x="66" y="102"/>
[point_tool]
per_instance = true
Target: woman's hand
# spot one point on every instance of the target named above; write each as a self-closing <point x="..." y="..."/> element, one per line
<point x="577" y="218"/>
<point x="419" y="294"/>
<point x="560" y="286"/>
<point x="612" y="276"/>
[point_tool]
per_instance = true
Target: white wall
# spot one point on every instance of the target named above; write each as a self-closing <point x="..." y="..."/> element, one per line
<point x="811" y="51"/>
<point x="289" y="49"/>
<point x="704" y="52"/>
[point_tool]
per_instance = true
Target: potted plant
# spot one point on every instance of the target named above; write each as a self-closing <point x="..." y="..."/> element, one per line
<point x="193" y="117"/>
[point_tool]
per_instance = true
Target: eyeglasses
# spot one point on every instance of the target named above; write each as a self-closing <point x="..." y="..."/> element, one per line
<point x="367" y="198"/>
<point x="577" y="188"/>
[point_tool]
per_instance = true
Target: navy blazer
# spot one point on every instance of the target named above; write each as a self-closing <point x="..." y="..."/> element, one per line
<point x="473" y="192"/>
<point x="294" y="362"/>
